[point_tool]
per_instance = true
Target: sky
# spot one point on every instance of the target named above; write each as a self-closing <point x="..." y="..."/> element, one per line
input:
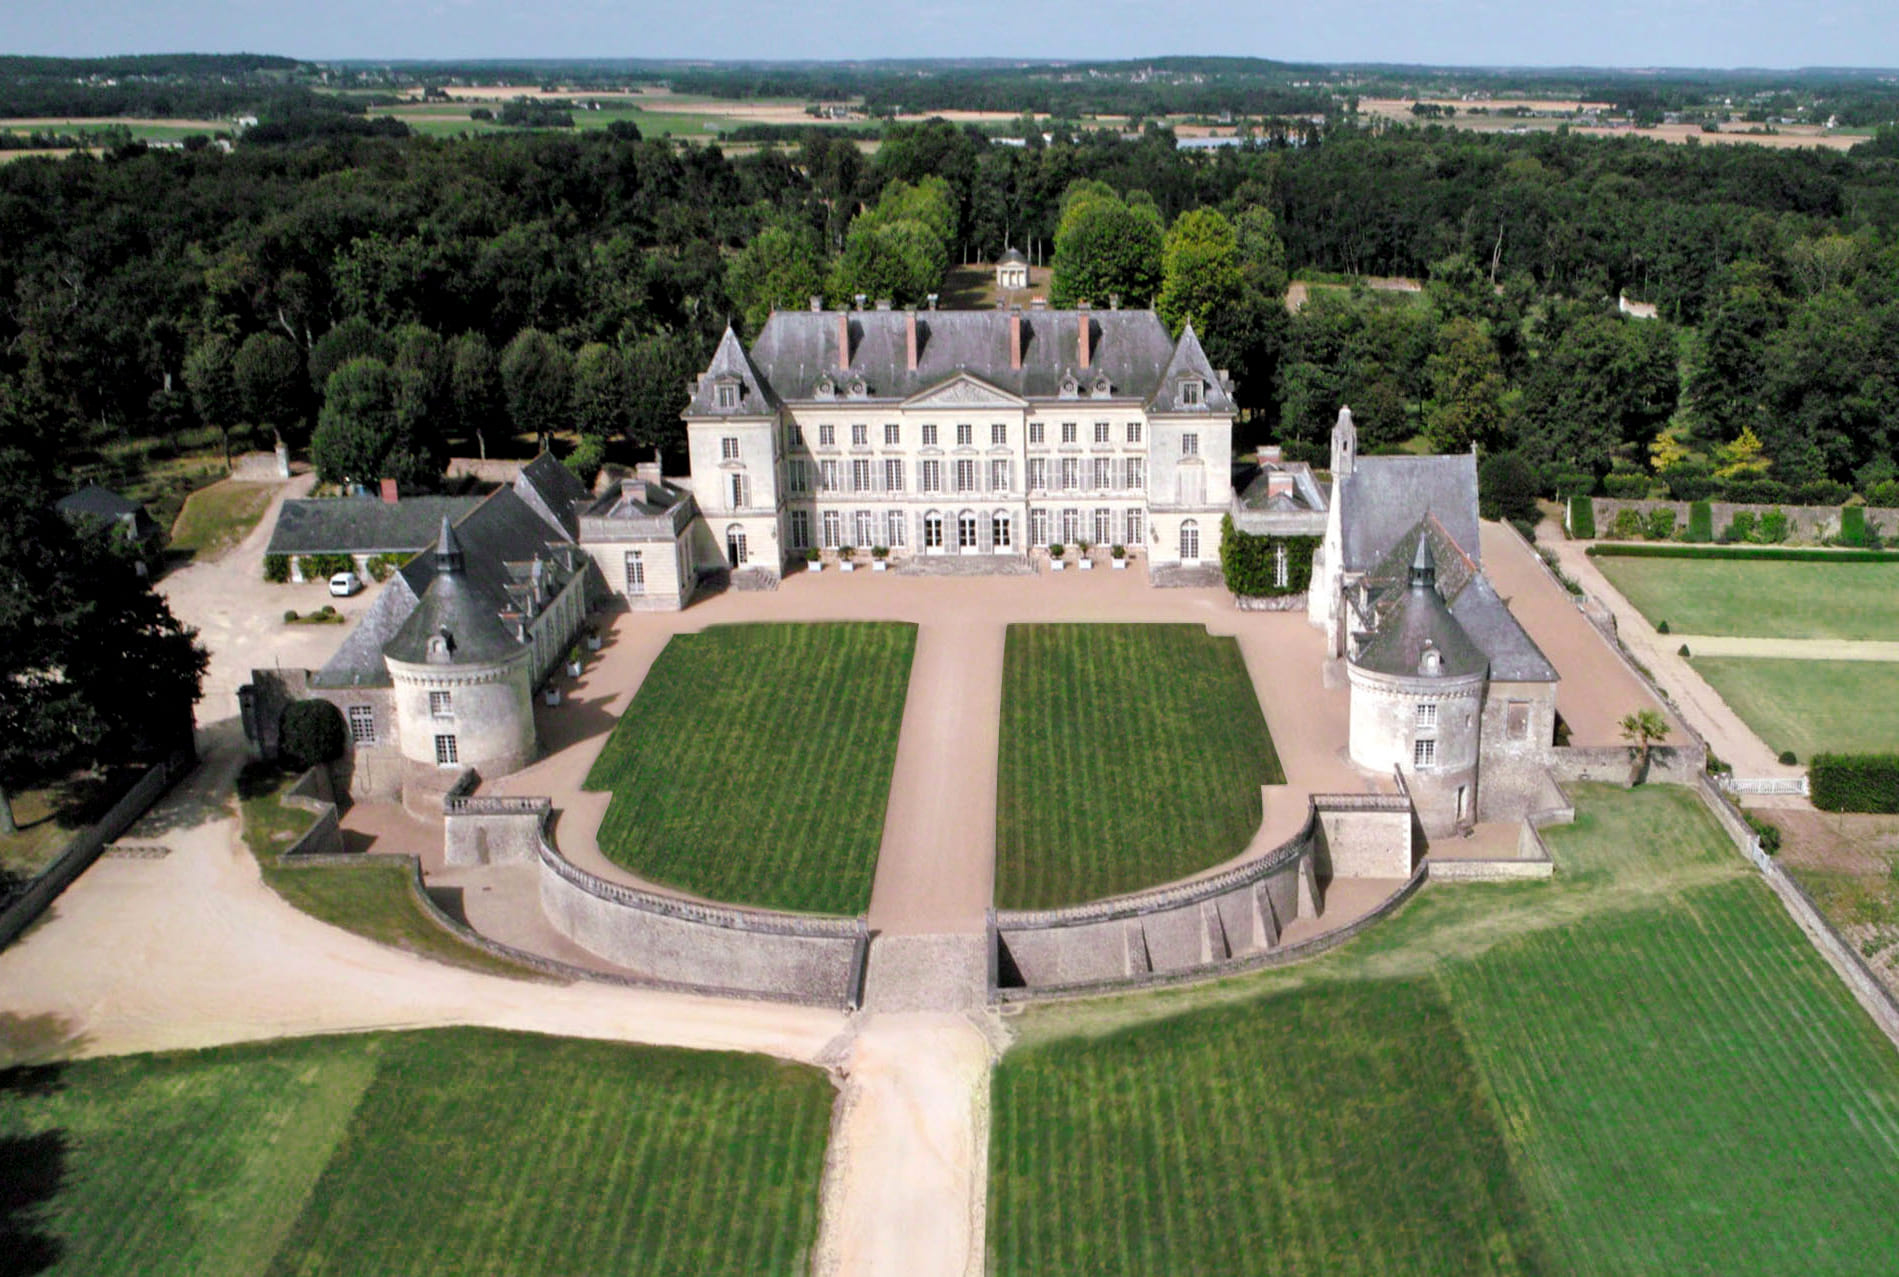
<point x="1606" y="33"/>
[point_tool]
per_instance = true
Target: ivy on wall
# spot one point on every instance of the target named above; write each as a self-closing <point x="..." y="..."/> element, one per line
<point x="1250" y="562"/>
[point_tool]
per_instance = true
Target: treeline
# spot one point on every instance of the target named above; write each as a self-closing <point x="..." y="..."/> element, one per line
<point x="195" y="86"/>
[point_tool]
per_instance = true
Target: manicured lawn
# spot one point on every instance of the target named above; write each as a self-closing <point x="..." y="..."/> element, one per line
<point x="754" y="764"/>
<point x="1641" y="1066"/>
<point x="454" y="1151"/>
<point x="1761" y="599"/>
<point x="1131" y="755"/>
<point x="1811" y="706"/>
<point x="216" y="518"/>
<point x="50" y="816"/>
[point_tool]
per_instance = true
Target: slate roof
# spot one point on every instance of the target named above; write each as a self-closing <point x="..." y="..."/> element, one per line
<point x="1514" y="655"/>
<point x="362" y="525"/>
<point x="798" y="347"/>
<point x="756" y="394"/>
<point x="1011" y="256"/>
<point x="1189" y="360"/>
<point x="1306" y="493"/>
<point x="1384" y="497"/>
<point x="358" y="662"/>
<point x="553" y="491"/>
<point x="1420" y="619"/>
<point x="96" y="502"/>
<point x="456" y="607"/>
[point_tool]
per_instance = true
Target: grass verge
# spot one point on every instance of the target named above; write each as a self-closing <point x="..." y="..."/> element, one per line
<point x="1130" y="755"/>
<point x="1811" y="706"/>
<point x="217" y="517"/>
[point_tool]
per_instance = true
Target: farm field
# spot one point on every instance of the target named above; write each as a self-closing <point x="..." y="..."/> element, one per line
<point x="460" y="1150"/>
<point x="1130" y="755"/>
<point x="1641" y="1065"/>
<point x="1810" y="706"/>
<point x="776" y="796"/>
<point x="1761" y="598"/>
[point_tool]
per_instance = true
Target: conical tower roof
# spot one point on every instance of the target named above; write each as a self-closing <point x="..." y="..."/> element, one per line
<point x="1422" y="623"/>
<point x="451" y="609"/>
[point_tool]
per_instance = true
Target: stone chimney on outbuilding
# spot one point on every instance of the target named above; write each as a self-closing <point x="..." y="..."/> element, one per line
<point x="843" y="340"/>
<point x="910" y="338"/>
<point x="1015" y="338"/>
<point x="389" y="494"/>
<point x="1084" y="340"/>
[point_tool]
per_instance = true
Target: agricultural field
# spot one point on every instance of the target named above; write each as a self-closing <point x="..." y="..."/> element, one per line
<point x="1640" y="1066"/>
<point x="776" y="795"/>
<point x="1760" y="598"/>
<point x="1130" y="755"/>
<point x="459" y="1150"/>
<point x="1810" y="707"/>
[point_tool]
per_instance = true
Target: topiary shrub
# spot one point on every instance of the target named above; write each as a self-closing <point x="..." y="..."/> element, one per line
<point x="1853" y="525"/>
<point x="1575" y="483"/>
<point x="1660" y="524"/>
<point x="276" y="568"/>
<point x="1755" y="491"/>
<point x="1822" y="492"/>
<point x="1683" y="652"/>
<point x="310" y="732"/>
<point x="1855" y="782"/>
<point x="1787" y="758"/>
<point x="1700" y="522"/>
<point x="1740" y="527"/>
<point x="1627" y="487"/>
<point x="290" y="615"/>
<point x="1773" y="528"/>
<point x="1582" y="518"/>
<point x="1661" y="627"/>
<point x="1628" y="525"/>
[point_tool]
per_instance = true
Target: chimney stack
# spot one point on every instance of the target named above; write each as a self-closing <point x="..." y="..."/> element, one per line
<point x="910" y="338"/>
<point x="843" y="340"/>
<point x="1015" y="339"/>
<point x="1085" y="329"/>
<point x="388" y="491"/>
<point x="1278" y="483"/>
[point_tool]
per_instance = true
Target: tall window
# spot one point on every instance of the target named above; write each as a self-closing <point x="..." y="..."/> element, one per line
<point x="1190" y="542"/>
<point x="441" y="704"/>
<point x="795" y="475"/>
<point x="1427" y="715"/>
<point x="929" y="434"/>
<point x="739" y="489"/>
<point x="1071" y="526"/>
<point x="864" y="528"/>
<point x="860" y="476"/>
<point x="1136" y="474"/>
<point x="1038" y="527"/>
<point x="998" y="434"/>
<point x="1000" y="530"/>
<point x="965" y="476"/>
<point x="930" y="476"/>
<point x="1104" y="473"/>
<point x="1101" y="432"/>
<point x="1104" y="526"/>
<point x="966" y="531"/>
<point x="893" y="434"/>
<point x="965" y="434"/>
<point x="728" y="448"/>
<point x="1424" y="753"/>
<point x="794" y="436"/>
<point x="827" y="476"/>
<point x="933" y="531"/>
<point x="1190" y="444"/>
<point x="1071" y="473"/>
<point x="1282" y="567"/>
<point x="728" y="395"/>
<point x="1136" y="528"/>
<point x="860" y="435"/>
<point x="998" y="476"/>
<point x="445" y="753"/>
<point x="1134" y="432"/>
<point x="1068" y="432"/>
<point x="1037" y="432"/>
<point x="893" y="529"/>
<point x="1038" y="473"/>
<point x="833" y="529"/>
<point x="635" y="573"/>
<point x="893" y="475"/>
<point x="827" y="436"/>
<point x="362" y="724"/>
<point x="800" y="530"/>
<point x="735" y="551"/>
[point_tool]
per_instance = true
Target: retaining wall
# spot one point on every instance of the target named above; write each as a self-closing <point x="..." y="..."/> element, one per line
<point x="1809" y="523"/>
<point x="314" y="792"/>
<point x="1667" y="764"/>
<point x="493" y="831"/>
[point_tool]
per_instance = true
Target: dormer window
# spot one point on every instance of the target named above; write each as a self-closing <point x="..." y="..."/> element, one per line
<point x="826" y="388"/>
<point x="1070" y="387"/>
<point x="1192" y="392"/>
<point x="725" y="394"/>
<point x="857" y="388"/>
<point x="1102" y="388"/>
<point x="1430" y="661"/>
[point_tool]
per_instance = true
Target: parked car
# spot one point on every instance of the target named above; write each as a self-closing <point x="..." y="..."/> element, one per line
<point x="344" y="584"/>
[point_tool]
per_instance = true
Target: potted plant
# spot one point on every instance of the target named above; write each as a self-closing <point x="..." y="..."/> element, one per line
<point x="846" y="560"/>
<point x="1120" y="561"/>
<point x="1087" y="564"/>
<point x="879" y="553"/>
<point x="1055" y="551"/>
<point x="593" y="639"/>
<point x="552" y="693"/>
<point x="573" y="661"/>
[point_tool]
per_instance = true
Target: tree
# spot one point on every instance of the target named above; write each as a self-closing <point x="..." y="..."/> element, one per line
<point x="354" y="338"/>
<point x="537" y="376"/>
<point x="901" y="262"/>
<point x="1643" y="729"/>
<point x="1600" y="384"/>
<point x="782" y="267"/>
<point x="373" y="426"/>
<point x="270" y="381"/>
<point x="1467" y="389"/>
<point x="474" y="387"/>
<point x="1506" y="488"/>
<point x="1200" y="271"/>
<point x="658" y="369"/>
<point x="601" y="391"/>
<point x="309" y="734"/>
<point x="1104" y="249"/>
<point x="213" y="387"/>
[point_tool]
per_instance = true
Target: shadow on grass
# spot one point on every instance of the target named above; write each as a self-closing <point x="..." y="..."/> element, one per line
<point x="32" y="1166"/>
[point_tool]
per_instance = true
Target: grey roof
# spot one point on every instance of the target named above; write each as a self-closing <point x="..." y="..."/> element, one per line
<point x="798" y="347"/>
<point x="1011" y="256"/>
<point x="1384" y="497"/>
<point x="553" y="491"/>
<point x="362" y="525"/>
<point x="636" y="498"/>
<point x="1453" y="568"/>
<point x="1190" y="361"/>
<point x="756" y="394"/>
<point x="1306" y="493"/>
<point x="1514" y="655"/>
<point x="358" y="662"/>
<point x="453" y="607"/>
<point x="1421" y="620"/>
<point x="96" y="502"/>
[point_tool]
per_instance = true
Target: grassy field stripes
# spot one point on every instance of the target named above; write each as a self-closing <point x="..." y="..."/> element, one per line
<point x="1340" y="1128"/>
<point x="754" y="764"/>
<point x="1130" y="755"/>
<point x="1810" y="706"/>
<point x="1761" y="599"/>
<point x="464" y="1151"/>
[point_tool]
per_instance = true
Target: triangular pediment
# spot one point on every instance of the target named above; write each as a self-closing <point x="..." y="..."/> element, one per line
<point x="964" y="391"/>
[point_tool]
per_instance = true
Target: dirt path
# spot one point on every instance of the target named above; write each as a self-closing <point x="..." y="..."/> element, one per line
<point x="905" y="1182"/>
<point x="1788" y="649"/>
<point x="1732" y="740"/>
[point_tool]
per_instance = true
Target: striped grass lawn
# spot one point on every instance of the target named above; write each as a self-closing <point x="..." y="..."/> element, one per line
<point x="1771" y="599"/>
<point x="754" y="764"/>
<point x="1810" y="706"/>
<point x="1640" y="1067"/>
<point x="453" y="1151"/>
<point x="1130" y="755"/>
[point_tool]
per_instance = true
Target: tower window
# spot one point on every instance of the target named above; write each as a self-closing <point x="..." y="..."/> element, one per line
<point x="445" y="754"/>
<point x="1424" y="753"/>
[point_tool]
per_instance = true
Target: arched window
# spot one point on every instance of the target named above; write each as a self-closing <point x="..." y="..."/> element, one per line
<point x="1001" y="530"/>
<point x="932" y="532"/>
<point x="966" y="532"/>
<point x="735" y="545"/>
<point x="1189" y="542"/>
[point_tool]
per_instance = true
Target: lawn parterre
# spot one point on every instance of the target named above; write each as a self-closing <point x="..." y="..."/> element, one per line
<point x="453" y="1151"/>
<point x="1761" y="599"/>
<point x="1639" y="1066"/>
<point x="1130" y="755"/>
<point x="1811" y="706"/>
<point x="754" y="764"/>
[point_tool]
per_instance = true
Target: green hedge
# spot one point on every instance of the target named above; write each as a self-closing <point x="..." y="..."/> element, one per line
<point x="1582" y="518"/>
<point x="277" y="568"/>
<point x="1700" y="522"/>
<point x="1853" y="525"/>
<point x="1248" y="562"/>
<point x="1791" y="554"/>
<point x="318" y="567"/>
<point x="1855" y="782"/>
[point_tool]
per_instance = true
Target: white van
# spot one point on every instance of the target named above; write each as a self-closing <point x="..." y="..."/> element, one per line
<point x="344" y="584"/>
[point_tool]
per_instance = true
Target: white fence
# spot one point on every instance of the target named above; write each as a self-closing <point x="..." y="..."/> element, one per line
<point x="1796" y="785"/>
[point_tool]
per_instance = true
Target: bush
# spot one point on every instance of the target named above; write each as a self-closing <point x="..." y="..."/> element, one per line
<point x="1582" y="518"/>
<point x="1755" y="491"/>
<point x="1661" y="524"/>
<point x="1853" y="525"/>
<point x="276" y="568"/>
<point x="1855" y="782"/>
<point x="290" y="615"/>
<point x="1628" y="487"/>
<point x="585" y="460"/>
<point x="1662" y="628"/>
<point x="1700" y="522"/>
<point x="310" y="732"/>
<point x="1683" y="652"/>
<point x="1055" y="549"/>
<point x="1575" y="483"/>
<point x="1779" y="554"/>
<point x="1787" y="758"/>
<point x="1506" y="488"/>
<point x="1525" y="529"/>
<point x="1740" y="527"/>
<point x="1774" y="527"/>
<point x="1628" y="524"/>
<point x="812" y="554"/>
<point x="1884" y="494"/>
<point x="1689" y="481"/>
<point x="1766" y="831"/>
<point x="1822" y="492"/>
<point x="317" y="567"/>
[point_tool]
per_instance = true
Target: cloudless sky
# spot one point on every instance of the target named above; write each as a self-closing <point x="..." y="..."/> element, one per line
<point x="1620" y="33"/>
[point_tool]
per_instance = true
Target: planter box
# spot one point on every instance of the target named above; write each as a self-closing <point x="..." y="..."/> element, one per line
<point x="573" y="669"/>
<point x="814" y="566"/>
<point x="1087" y="565"/>
<point x="593" y="642"/>
<point x="878" y="565"/>
<point x="847" y="567"/>
<point x="553" y="695"/>
<point x="1119" y="565"/>
<point x="1056" y="565"/>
